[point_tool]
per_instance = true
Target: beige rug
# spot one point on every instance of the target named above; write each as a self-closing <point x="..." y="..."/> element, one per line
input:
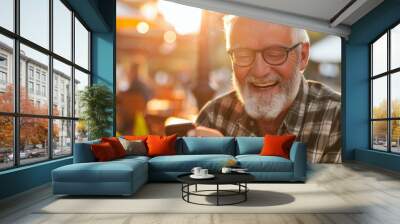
<point x="166" y="198"/>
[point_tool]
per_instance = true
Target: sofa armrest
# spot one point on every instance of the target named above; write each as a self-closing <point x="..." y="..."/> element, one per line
<point x="298" y="155"/>
<point x="83" y="152"/>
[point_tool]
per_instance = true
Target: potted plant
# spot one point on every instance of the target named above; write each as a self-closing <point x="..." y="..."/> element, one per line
<point x="96" y="103"/>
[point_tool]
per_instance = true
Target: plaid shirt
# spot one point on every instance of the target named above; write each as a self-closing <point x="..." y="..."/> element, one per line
<point x="314" y="118"/>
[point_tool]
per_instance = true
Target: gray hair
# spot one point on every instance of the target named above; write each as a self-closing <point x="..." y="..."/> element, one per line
<point x="300" y="35"/>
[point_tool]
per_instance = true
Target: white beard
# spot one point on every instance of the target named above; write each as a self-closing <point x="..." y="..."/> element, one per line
<point x="264" y="105"/>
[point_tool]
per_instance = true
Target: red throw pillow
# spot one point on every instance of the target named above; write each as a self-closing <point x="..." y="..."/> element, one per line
<point x="161" y="145"/>
<point x="116" y="145"/>
<point x="277" y="145"/>
<point x="103" y="151"/>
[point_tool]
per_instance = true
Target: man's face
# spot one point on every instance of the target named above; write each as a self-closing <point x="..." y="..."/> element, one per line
<point x="266" y="90"/>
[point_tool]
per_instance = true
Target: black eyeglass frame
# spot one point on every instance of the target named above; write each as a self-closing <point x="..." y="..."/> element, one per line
<point x="287" y="51"/>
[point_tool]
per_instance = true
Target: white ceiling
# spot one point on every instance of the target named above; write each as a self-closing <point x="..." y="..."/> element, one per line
<point x="318" y="15"/>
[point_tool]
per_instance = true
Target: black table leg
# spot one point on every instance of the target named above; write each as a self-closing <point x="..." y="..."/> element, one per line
<point x="217" y="194"/>
<point x="245" y="193"/>
<point x="188" y="189"/>
<point x="196" y="188"/>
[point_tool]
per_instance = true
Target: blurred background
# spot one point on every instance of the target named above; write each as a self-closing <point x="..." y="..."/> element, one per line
<point x="171" y="60"/>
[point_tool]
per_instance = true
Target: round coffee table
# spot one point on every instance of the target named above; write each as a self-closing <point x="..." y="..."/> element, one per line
<point x="238" y="179"/>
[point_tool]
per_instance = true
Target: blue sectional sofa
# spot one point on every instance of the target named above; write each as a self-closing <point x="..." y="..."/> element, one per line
<point x="125" y="176"/>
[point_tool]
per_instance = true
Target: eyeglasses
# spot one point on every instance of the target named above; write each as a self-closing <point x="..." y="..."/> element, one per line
<point x="274" y="55"/>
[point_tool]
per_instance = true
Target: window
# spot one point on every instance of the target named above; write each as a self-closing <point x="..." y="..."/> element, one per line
<point x="34" y="21"/>
<point x="7" y="142"/>
<point x="62" y="140"/>
<point x="62" y="29"/>
<point x="62" y="74"/>
<point x="3" y="72"/>
<point x="38" y="89"/>
<point x="44" y="91"/>
<point x="3" y="61"/>
<point x="7" y="14"/>
<point x="81" y="81"/>
<point x="46" y="131"/>
<point x="37" y="74"/>
<point x="3" y="78"/>
<point x="385" y="94"/>
<point x="30" y="87"/>
<point x="6" y="90"/>
<point x="81" y="45"/>
<point x="30" y="73"/>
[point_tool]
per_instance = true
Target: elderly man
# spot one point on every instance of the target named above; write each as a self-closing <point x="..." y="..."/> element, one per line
<point x="271" y="95"/>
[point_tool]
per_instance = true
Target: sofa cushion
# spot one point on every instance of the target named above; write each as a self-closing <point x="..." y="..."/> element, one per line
<point x="257" y="163"/>
<point x="207" y="145"/>
<point x="185" y="163"/>
<point x="249" y="145"/>
<point x="111" y="171"/>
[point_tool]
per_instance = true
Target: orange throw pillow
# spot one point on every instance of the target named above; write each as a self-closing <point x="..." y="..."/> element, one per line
<point x="277" y="145"/>
<point x="116" y="145"/>
<point x="103" y="152"/>
<point x="161" y="145"/>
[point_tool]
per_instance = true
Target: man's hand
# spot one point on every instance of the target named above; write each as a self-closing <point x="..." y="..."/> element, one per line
<point x="201" y="131"/>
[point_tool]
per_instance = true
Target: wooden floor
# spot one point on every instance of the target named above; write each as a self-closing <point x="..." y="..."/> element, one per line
<point x="377" y="188"/>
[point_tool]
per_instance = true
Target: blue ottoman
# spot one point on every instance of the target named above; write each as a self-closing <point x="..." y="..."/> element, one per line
<point x="118" y="177"/>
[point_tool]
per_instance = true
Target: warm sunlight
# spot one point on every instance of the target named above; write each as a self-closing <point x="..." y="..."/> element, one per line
<point x="185" y="19"/>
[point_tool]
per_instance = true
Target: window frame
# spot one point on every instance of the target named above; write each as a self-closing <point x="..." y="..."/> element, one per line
<point x="388" y="74"/>
<point x="16" y="114"/>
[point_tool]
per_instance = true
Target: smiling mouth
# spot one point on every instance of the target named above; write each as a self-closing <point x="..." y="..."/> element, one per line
<point x="264" y="85"/>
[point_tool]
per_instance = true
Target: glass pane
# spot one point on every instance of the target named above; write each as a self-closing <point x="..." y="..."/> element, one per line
<point x="81" y="132"/>
<point x="379" y="97"/>
<point x="62" y="29"/>
<point x="379" y="135"/>
<point x="395" y="94"/>
<point x="62" y="138"/>
<point x="395" y="138"/>
<point x="6" y="74"/>
<point x="33" y="140"/>
<point x="395" y="47"/>
<point x="379" y="55"/>
<point x="81" y="81"/>
<point x="35" y="21"/>
<point x="62" y="89"/>
<point x="6" y="142"/>
<point x="7" y="14"/>
<point x="81" y="45"/>
<point x="34" y="92"/>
